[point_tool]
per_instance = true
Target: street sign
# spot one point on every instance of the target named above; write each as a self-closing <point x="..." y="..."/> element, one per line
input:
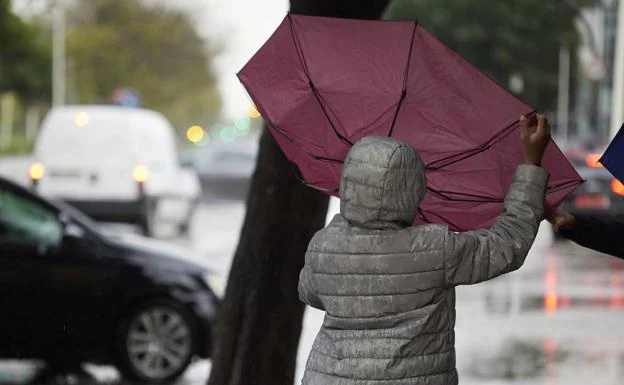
<point x="126" y="97"/>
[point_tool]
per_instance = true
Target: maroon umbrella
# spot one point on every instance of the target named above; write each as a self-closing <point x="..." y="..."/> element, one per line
<point x="321" y="84"/>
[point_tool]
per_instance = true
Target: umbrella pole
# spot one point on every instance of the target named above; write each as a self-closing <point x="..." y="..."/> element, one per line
<point x="563" y="101"/>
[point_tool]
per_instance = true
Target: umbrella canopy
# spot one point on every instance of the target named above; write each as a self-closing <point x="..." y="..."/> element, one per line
<point x="613" y="158"/>
<point x="323" y="83"/>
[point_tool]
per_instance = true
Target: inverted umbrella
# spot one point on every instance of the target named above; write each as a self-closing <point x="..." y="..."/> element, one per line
<point x="322" y="84"/>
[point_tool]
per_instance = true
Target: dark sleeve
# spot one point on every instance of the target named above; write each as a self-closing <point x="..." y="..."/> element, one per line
<point x="603" y="235"/>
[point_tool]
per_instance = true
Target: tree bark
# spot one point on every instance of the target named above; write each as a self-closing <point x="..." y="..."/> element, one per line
<point x="257" y="334"/>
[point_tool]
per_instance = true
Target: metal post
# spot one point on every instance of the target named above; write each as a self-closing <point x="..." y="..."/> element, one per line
<point x="32" y="122"/>
<point x="617" y="107"/>
<point x="6" y="120"/>
<point x="563" y="101"/>
<point x="58" y="57"/>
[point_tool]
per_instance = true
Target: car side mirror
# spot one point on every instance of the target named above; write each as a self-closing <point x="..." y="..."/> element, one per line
<point x="75" y="238"/>
<point x="72" y="237"/>
<point x="73" y="231"/>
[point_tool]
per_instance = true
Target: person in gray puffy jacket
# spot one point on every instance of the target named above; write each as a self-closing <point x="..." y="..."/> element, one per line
<point x="387" y="287"/>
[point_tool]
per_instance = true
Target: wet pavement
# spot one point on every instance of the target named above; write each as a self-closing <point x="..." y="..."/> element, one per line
<point x="559" y="320"/>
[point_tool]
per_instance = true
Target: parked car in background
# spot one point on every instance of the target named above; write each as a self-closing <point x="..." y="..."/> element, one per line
<point x="225" y="169"/>
<point x="601" y="194"/>
<point x="116" y="164"/>
<point x="72" y="294"/>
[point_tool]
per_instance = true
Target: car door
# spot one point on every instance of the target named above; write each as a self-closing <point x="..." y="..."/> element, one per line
<point x="80" y="279"/>
<point x="54" y="284"/>
<point x="28" y="232"/>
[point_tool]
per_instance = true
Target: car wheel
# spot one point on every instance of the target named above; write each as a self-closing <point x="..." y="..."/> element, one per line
<point x="156" y="343"/>
<point x="184" y="228"/>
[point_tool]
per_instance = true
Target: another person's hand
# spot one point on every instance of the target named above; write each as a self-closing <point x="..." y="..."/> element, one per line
<point x="534" y="140"/>
<point x="561" y="220"/>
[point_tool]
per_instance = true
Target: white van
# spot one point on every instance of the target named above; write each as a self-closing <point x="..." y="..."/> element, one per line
<point x="116" y="164"/>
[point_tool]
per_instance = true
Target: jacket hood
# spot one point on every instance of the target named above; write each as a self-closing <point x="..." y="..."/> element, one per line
<point x="383" y="182"/>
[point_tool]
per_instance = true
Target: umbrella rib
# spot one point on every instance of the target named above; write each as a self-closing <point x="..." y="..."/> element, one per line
<point x="302" y="148"/>
<point x="495" y="139"/>
<point x="298" y="47"/>
<point x="562" y="185"/>
<point x="405" y="75"/>
<point x="297" y="174"/>
<point x="480" y="198"/>
<point x="422" y="214"/>
<point x="302" y="180"/>
<point x="476" y="198"/>
<point x="311" y="84"/>
<point x="325" y="159"/>
<point x="318" y="99"/>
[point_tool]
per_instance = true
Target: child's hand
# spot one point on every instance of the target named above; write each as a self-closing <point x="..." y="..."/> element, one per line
<point x="534" y="141"/>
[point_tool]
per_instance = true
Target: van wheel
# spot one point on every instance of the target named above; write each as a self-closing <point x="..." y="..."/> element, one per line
<point x="185" y="227"/>
<point x="146" y="223"/>
<point x="145" y="229"/>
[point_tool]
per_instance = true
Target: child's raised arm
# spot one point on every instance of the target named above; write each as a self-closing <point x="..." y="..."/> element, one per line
<point x="477" y="256"/>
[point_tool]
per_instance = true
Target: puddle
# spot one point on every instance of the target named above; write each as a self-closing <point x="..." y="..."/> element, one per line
<point x="547" y="361"/>
<point x="552" y="303"/>
<point x="517" y="360"/>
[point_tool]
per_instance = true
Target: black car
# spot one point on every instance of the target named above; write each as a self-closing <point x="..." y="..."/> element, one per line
<point x="70" y="293"/>
<point x="601" y="194"/>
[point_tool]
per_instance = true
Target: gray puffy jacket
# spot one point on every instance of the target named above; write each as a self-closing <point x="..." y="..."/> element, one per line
<point x="388" y="288"/>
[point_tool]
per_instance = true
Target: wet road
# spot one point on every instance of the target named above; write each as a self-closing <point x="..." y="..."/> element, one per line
<point x="559" y="320"/>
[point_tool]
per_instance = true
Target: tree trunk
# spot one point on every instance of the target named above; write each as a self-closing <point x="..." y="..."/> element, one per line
<point x="257" y="334"/>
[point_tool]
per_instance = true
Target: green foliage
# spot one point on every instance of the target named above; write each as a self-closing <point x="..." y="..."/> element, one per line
<point x="19" y="145"/>
<point x="501" y="38"/>
<point x="25" y="57"/>
<point x="155" y="50"/>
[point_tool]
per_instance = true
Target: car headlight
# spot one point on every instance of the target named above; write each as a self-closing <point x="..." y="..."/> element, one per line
<point x="216" y="283"/>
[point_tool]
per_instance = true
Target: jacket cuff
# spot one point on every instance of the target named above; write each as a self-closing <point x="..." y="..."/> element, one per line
<point x="533" y="174"/>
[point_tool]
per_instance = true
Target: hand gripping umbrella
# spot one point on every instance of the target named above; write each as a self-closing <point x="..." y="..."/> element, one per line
<point x="322" y="83"/>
